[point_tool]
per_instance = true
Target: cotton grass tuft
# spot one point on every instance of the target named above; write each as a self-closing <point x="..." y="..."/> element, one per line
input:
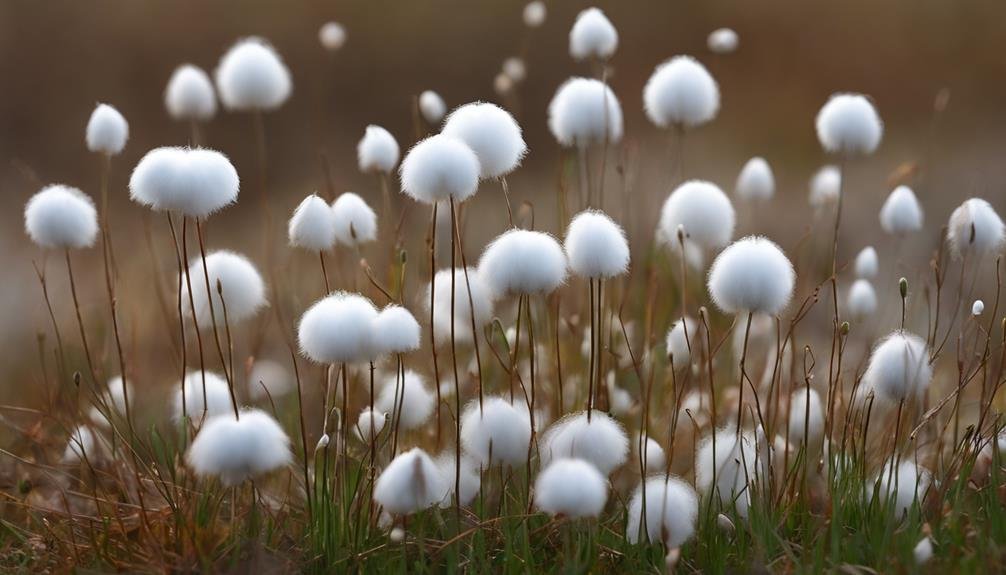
<point x="752" y="275"/>
<point x="396" y="330"/>
<point x="312" y="226"/>
<point x="355" y="221"/>
<point x="377" y="151"/>
<point x="600" y="441"/>
<point x="571" y="488"/>
<point x="432" y="107"/>
<point x="975" y="227"/>
<point x="862" y="300"/>
<point x="338" y="329"/>
<point x="498" y="431"/>
<point x="217" y="397"/>
<point x="672" y="509"/>
<point x="867" y="263"/>
<point x="825" y="187"/>
<point x="681" y="92"/>
<point x="332" y="36"/>
<point x="189" y="95"/>
<point x="898" y="369"/>
<point x="193" y="182"/>
<point x="901" y="213"/>
<point x="252" y="76"/>
<point x="236" y="450"/>
<point x="848" y="124"/>
<point x="481" y="297"/>
<point x="534" y="14"/>
<point x="61" y="217"/>
<point x="523" y="262"/>
<point x="410" y="483"/>
<point x="678" y="346"/>
<point x="439" y="168"/>
<point x="722" y="41"/>
<point x="596" y="246"/>
<point x="585" y="111"/>
<point x="242" y="286"/>
<point x="492" y="133"/>
<point x="902" y="488"/>
<point x="416" y="401"/>
<point x="592" y="36"/>
<point x="703" y="211"/>
<point x="107" y="131"/>
<point x="756" y="181"/>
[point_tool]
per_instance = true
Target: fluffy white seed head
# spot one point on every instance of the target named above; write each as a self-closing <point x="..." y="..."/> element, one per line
<point x="923" y="551"/>
<point x="585" y="111"/>
<point x="252" y="76"/>
<point x="416" y="401"/>
<point x="492" y="133"/>
<point x="534" y="14"/>
<point x="678" y="345"/>
<point x="83" y="445"/>
<point x="215" y="401"/>
<point x="369" y="424"/>
<point x="338" y="329"/>
<point x="702" y="211"/>
<point x="862" y="300"/>
<point x="672" y="508"/>
<point x="236" y="450"/>
<point x="735" y="465"/>
<point x="756" y="181"/>
<point x="502" y="84"/>
<point x="377" y="151"/>
<point x="899" y="369"/>
<point x="848" y="124"/>
<point x="571" y="488"/>
<point x="867" y="263"/>
<point x="601" y="441"/>
<point x="61" y="217"/>
<point x="975" y="228"/>
<point x="432" y="107"/>
<point x="470" y="480"/>
<point x="681" y="92"/>
<point x="439" y="168"/>
<point x="190" y="95"/>
<point x="499" y="432"/>
<point x="269" y="378"/>
<point x="523" y="262"/>
<point x="193" y="182"/>
<point x="753" y="275"/>
<point x="902" y="488"/>
<point x="332" y="36"/>
<point x="107" y="131"/>
<point x="901" y="213"/>
<point x="656" y="459"/>
<point x="515" y="69"/>
<point x="977" y="308"/>
<point x="410" y="483"/>
<point x="396" y="331"/>
<point x="355" y="221"/>
<point x="806" y="417"/>
<point x="592" y="36"/>
<point x="312" y="226"/>
<point x="464" y="310"/>
<point x="115" y="398"/>
<point x="235" y="287"/>
<point x="825" y="187"/>
<point x="596" y="246"/>
<point x="722" y="41"/>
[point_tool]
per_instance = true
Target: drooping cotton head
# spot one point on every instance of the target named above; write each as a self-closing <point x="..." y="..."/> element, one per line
<point x="601" y="441"/>
<point x="193" y="182"/>
<point x="215" y="401"/>
<point x="410" y="483"/>
<point x="499" y="432"/>
<point x="61" y="217"/>
<point x="756" y="181"/>
<point x="680" y="346"/>
<point x="825" y="187"/>
<point x="534" y="14"/>
<point x="902" y="488"/>
<point x="107" y="131"/>
<point x="752" y="275"/>
<point x="736" y="465"/>
<point x="236" y="288"/>
<point x="681" y="92"/>
<point x="585" y="111"/>
<point x="439" y="168"/>
<point x="899" y="369"/>
<point x="702" y="211"/>
<point x="867" y="263"/>
<point x="481" y="296"/>
<point x="901" y="213"/>
<point x="377" y="151"/>
<point x="235" y="450"/>
<point x="338" y="329"/>
<point x="672" y="509"/>
<point x="396" y="331"/>
<point x="848" y="124"/>
<point x="189" y="95"/>
<point x="269" y="379"/>
<point x="596" y="246"/>
<point x="592" y="36"/>
<point x="370" y="424"/>
<point x="312" y="226"/>
<point x="806" y="417"/>
<point x="332" y="36"/>
<point x="471" y="482"/>
<point x="570" y="488"/>
<point x="523" y="262"/>
<point x="492" y="133"/>
<point x="722" y="41"/>
<point x="416" y="401"/>
<point x="432" y="107"/>
<point x="355" y="221"/>
<point x="861" y="302"/>
<point x="252" y="76"/>
<point x="975" y="228"/>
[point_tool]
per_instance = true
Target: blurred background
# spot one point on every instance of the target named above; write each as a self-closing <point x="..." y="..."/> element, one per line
<point x="61" y="57"/>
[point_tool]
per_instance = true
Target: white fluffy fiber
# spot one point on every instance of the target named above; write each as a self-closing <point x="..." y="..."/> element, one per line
<point x="672" y="508"/>
<point x="534" y="14"/>
<point x="899" y="369"/>
<point x="602" y="441"/>
<point x="217" y="396"/>
<point x="901" y="213"/>
<point x="189" y="95"/>
<point x="722" y="41"/>
<point x="432" y="107"/>
<point x="523" y="262"/>
<point x="907" y="484"/>
<point x="463" y="309"/>
<point x="269" y="375"/>
<point x="681" y="92"/>
<point x="193" y="182"/>
<point x="236" y="450"/>
<point x="242" y="287"/>
<point x="655" y="458"/>
<point x="252" y="76"/>
<point x="736" y="463"/>
<point x="596" y="246"/>
<point x="500" y="427"/>
<point x="825" y="187"/>
<point x="355" y="221"/>
<point x="585" y="111"/>
<point x="849" y="124"/>
<point x="756" y="181"/>
<point x="862" y="300"/>
<point x="752" y="275"/>
<point x="377" y="151"/>
<point x="411" y="482"/>
<point x="439" y="168"/>
<point x="370" y="424"/>
<point x="806" y="416"/>
<point x="115" y="398"/>
<point x="592" y="36"/>
<point x="82" y="445"/>
<point x="678" y="345"/>
<point x="338" y="329"/>
<point x="977" y="308"/>
<point x="975" y="227"/>
<point x="312" y="226"/>
<point x="571" y="488"/>
<point x="867" y="263"/>
<point x="396" y="330"/>
<point x="923" y="551"/>
<point x="107" y="131"/>
<point x="703" y="211"/>
<point x="492" y="133"/>
<point x="61" y="217"/>
<point x="332" y="36"/>
<point x="417" y="402"/>
<point x="471" y="482"/>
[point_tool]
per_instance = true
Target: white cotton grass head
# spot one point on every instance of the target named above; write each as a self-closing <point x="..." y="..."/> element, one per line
<point x="681" y="92"/>
<point x="867" y="263"/>
<point x="252" y="76"/>
<point x="497" y="432"/>
<point x="115" y="399"/>
<point x="593" y="36"/>
<point x="411" y="482"/>
<point x="722" y="41"/>
<point x="806" y="416"/>
<point x="234" y="450"/>
<point x="355" y="221"/>
<point x="332" y="36"/>
<point x="61" y="217"/>
<point x="396" y="330"/>
<point x="678" y="345"/>
<point x="601" y="441"/>
<point x="312" y="226"/>
<point x="107" y="131"/>
<point x="492" y="133"/>
<point x="672" y="509"/>
<point x="432" y="107"/>
<point x="902" y="488"/>
<point x="193" y="182"/>
<point x="515" y="69"/>
<point x="83" y="445"/>
<point x="825" y="187"/>
<point x="480" y="306"/>
<point x="190" y="96"/>
<point x="901" y="213"/>
<point x="596" y="246"/>
<point x="503" y="84"/>
<point x="413" y="396"/>
<point x="471" y="482"/>
<point x="570" y="488"/>
<point x="655" y="458"/>
<point x="734" y="466"/>
<point x="898" y="370"/>
<point x="848" y="124"/>
<point x="756" y="181"/>
<point x="923" y="551"/>
<point x="269" y="379"/>
<point x="215" y="401"/>
<point x="534" y="14"/>
<point x="338" y="329"/>
<point x="377" y="151"/>
<point x="440" y="168"/>
<point x="370" y="424"/>
<point x="242" y="287"/>
<point x="975" y="228"/>
<point x="977" y="308"/>
<point x="861" y="302"/>
<point x="585" y="111"/>
<point x="703" y="211"/>
<point x="752" y="275"/>
<point x="523" y="262"/>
